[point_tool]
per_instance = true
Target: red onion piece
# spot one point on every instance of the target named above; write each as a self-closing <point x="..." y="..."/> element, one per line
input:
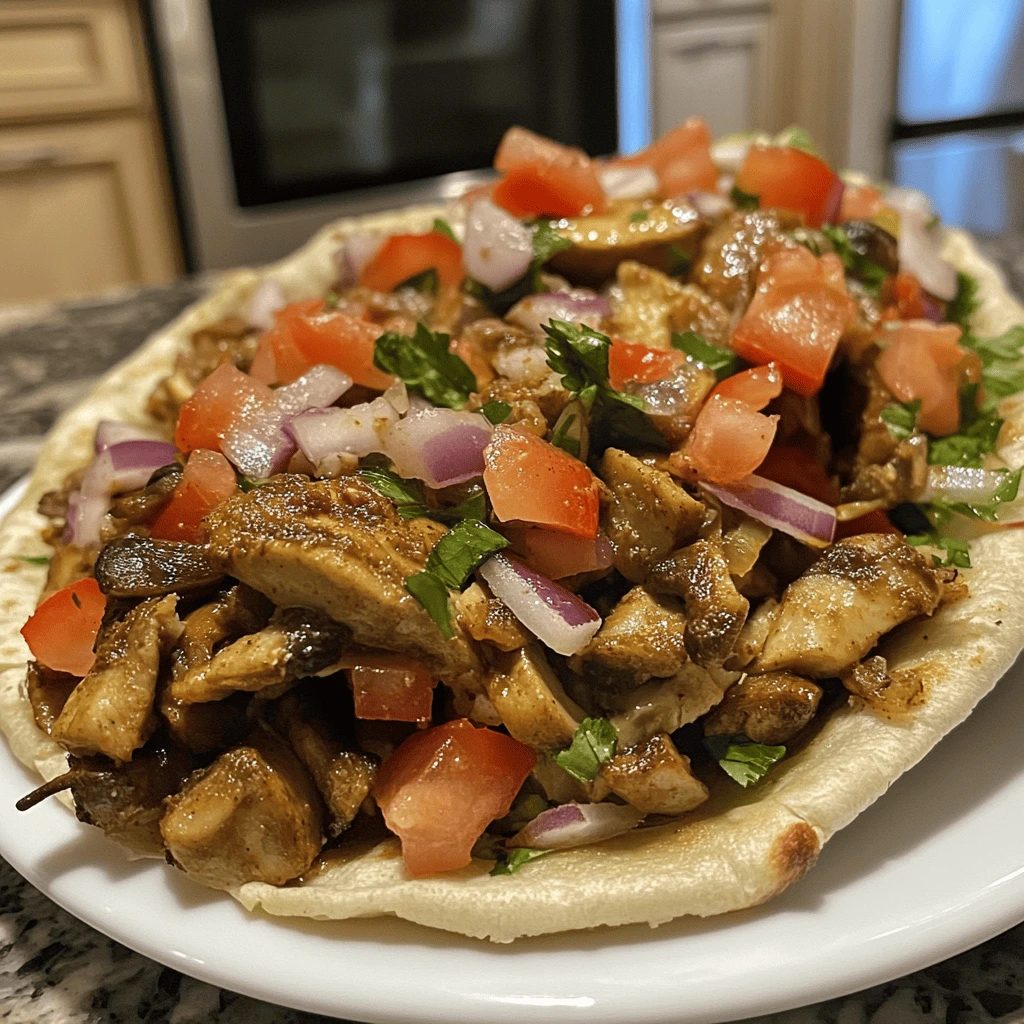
<point x="626" y="182"/>
<point x="110" y="432"/>
<point x="264" y="302"/>
<point x="498" y="249"/>
<point x="576" y="825"/>
<point x="710" y="205"/>
<point x="257" y="442"/>
<point x="556" y="616"/>
<point x="962" y="483"/>
<point x="439" y="446"/>
<point x="577" y="306"/>
<point x="355" y="252"/>
<point x="782" y="508"/>
<point x="322" y="434"/>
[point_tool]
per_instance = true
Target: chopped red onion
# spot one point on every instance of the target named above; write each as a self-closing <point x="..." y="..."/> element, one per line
<point x="568" y="825"/>
<point x="265" y="301"/>
<point x="710" y="205"/>
<point x="355" y="252"/>
<point x="498" y="249"/>
<point x="628" y="182"/>
<point x="782" y="508"/>
<point x="556" y="616"/>
<point x="439" y="446"/>
<point x="110" y="432"/>
<point x="578" y="306"/>
<point x="962" y="483"/>
<point x="257" y="442"/>
<point x="322" y="434"/>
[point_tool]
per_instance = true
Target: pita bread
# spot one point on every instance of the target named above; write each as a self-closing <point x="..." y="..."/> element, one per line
<point x="726" y="856"/>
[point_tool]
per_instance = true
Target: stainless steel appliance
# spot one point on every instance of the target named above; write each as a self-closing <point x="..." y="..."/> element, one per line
<point x="285" y="113"/>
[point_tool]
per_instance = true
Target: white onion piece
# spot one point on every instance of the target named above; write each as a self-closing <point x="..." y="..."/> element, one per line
<point x="498" y="249"/>
<point x="258" y="444"/>
<point x="358" y="431"/>
<point x="628" y="182"/>
<point x="398" y="396"/>
<point x="110" y="432"/>
<point x="438" y="446"/>
<point x="710" y="205"/>
<point x="578" y="306"/>
<point x="264" y="303"/>
<point x="782" y="508"/>
<point x="730" y="151"/>
<point x="962" y="483"/>
<point x="909" y="200"/>
<point x="355" y="252"/>
<point x="918" y="251"/>
<point x="522" y="364"/>
<point x="559" y="828"/>
<point x="556" y="616"/>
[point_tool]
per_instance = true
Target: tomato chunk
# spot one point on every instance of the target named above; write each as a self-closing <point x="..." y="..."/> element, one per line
<point x="873" y="522"/>
<point x="641" y="363"/>
<point x="922" y="360"/>
<point x="521" y="146"/>
<point x="729" y="440"/>
<point x="61" y="632"/>
<point x="529" y="480"/>
<point x="554" y="191"/>
<point x="207" y="481"/>
<point x="388" y="687"/>
<point x="557" y="555"/>
<point x="681" y="158"/>
<point x="756" y="386"/>
<point x="903" y="298"/>
<point x="341" y="340"/>
<point x="442" y="787"/>
<point x="860" y="202"/>
<point x="792" y="466"/>
<point x="404" y="256"/>
<point x="206" y="417"/>
<point x="790" y="179"/>
<point x="798" y="314"/>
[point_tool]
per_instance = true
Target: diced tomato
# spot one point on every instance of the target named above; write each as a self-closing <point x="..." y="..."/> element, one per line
<point x="729" y="440"/>
<point x="61" y="632"/>
<point x="681" y="158"/>
<point x="388" y="687"/>
<point x="531" y="481"/>
<point x="792" y="466"/>
<point x="532" y="191"/>
<point x="404" y="256"/>
<point x="521" y="146"/>
<point x="860" y="202"/>
<point x="873" y="522"/>
<point x="471" y="354"/>
<point x="341" y="340"/>
<point x="790" y="179"/>
<point x="207" y="481"/>
<point x="756" y="386"/>
<point x="206" y="417"/>
<point x="641" y="363"/>
<point x="442" y="787"/>
<point x="264" y="366"/>
<point x="798" y="314"/>
<point x="903" y="298"/>
<point x="557" y="555"/>
<point x="922" y="360"/>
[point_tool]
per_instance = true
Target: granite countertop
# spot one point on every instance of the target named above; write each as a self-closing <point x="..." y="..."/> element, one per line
<point x="56" y="970"/>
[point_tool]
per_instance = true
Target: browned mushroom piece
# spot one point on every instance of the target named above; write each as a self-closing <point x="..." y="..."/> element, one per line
<point x="253" y="815"/>
<point x="771" y="708"/>
<point x="48" y="692"/>
<point x="143" y="505"/>
<point x="893" y="695"/>
<point x="654" y="777"/>
<point x="137" y="566"/>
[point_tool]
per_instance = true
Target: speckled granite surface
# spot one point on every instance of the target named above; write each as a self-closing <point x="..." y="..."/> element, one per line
<point x="56" y="970"/>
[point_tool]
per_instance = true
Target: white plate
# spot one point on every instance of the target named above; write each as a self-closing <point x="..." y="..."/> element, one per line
<point x="934" y="868"/>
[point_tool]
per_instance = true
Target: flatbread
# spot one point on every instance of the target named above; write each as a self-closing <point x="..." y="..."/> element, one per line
<point x="706" y="863"/>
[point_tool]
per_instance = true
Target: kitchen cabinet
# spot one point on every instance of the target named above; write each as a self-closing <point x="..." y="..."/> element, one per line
<point x="84" y="201"/>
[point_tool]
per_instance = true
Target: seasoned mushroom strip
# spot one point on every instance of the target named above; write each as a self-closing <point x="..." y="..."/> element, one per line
<point x="137" y="566"/>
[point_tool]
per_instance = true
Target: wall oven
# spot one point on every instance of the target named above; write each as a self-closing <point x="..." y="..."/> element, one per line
<point x="282" y="114"/>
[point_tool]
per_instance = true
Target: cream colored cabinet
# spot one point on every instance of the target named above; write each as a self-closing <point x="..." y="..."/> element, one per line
<point x="84" y="203"/>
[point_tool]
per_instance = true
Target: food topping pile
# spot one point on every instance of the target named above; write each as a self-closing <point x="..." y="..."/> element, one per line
<point x="569" y="515"/>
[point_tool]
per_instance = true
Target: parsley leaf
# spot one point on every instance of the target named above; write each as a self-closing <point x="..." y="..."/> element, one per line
<point x="546" y="242"/>
<point x="744" y="200"/>
<point x="35" y="559"/>
<point x="426" y="365"/>
<point x="867" y="271"/>
<point x="743" y="760"/>
<point x="426" y="282"/>
<point x="496" y="412"/>
<point x="442" y="227"/>
<point x="247" y="484"/>
<point x="957" y="551"/>
<point x="965" y="303"/>
<point x="461" y="550"/>
<point x="433" y="595"/>
<point x="593" y="744"/>
<point x="638" y="217"/>
<point x="901" y="418"/>
<point x="516" y="859"/>
<point x="387" y="482"/>
<point x="1006" y="347"/>
<point x="408" y="497"/>
<point x="722" y="360"/>
<point x="472" y="507"/>
<point x="795" y="137"/>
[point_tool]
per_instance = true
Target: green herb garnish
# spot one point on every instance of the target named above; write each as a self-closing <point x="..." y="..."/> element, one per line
<point x="965" y="303"/>
<point x="442" y="227"/>
<point x="496" y="412"/>
<point x="593" y="744"/>
<point x="35" y="559"/>
<point x="387" y="482"/>
<point x="561" y="438"/>
<point x="743" y="760"/>
<point x="638" y="217"/>
<point x="744" y="200"/>
<point x="957" y="551"/>
<point x="426" y="365"/>
<point x="901" y="418"/>
<point x="871" y="274"/>
<point x="723" y="361"/>
<point x="410" y="501"/>
<point x="426" y="282"/>
<point x="795" y="137"/>
<point x="987" y="511"/>
<point x="515" y="859"/>
<point x="546" y="242"/>
<point x="433" y="595"/>
<point x="679" y="260"/>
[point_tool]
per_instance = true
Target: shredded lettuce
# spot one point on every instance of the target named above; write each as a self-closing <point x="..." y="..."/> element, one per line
<point x="965" y="303"/>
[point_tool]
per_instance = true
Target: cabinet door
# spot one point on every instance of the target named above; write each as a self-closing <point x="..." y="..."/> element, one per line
<point x="717" y="68"/>
<point x="82" y="208"/>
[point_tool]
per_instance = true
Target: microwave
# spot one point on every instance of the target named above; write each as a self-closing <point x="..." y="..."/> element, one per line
<point x="283" y="114"/>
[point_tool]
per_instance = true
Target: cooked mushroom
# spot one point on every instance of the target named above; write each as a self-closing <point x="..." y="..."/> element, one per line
<point x="753" y="634"/>
<point x="142" y="505"/>
<point x="654" y="777"/>
<point x="893" y="695"/>
<point x="771" y="708"/>
<point x="48" y="692"/>
<point x="137" y="566"/>
<point x="485" y="618"/>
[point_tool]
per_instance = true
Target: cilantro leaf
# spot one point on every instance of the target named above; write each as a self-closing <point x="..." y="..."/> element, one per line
<point x="901" y="418"/>
<point x="546" y="242"/>
<point x="465" y="546"/>
<point x="987" y="511"/>
<point x="744" y="200"/>
<point x="35" y="559"/>
<point x="516" y="859"/>
<point x="561" y="438"/>
<point x="387" y="482"/>
<point x="965" y="303"/>
<point x="442" y="227"/>
<point x="679" y="260"/>
<point x="472" y="507"/>
<point x="247" y="484"/>
<point x="433" y="595"/>
<point x="409" y="499"/>
<point x="593" y="744"/>
<point x="957" y="551"/>
<point x="795" y="137"/>
<point x="580" y="354"/>
<point x="871" y="274"/>
<point x="496" y="412"/>
<point x="638" y="217"/>
<point x="426" y="365"/>
<point x="426" y="282"/>
<point x="1001" y="379"/>
<point x="743" y="760"/>
<point x="1006" y="347"/>
<point x="722" y="360"/>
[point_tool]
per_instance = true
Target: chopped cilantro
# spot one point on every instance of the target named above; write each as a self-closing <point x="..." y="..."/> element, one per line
<point x="515" y="859"/>
<point x="331" y="300"/>
<point x="901" y="418"/>
<point x="546" y="242"/>
<point x="35" y="559"/>
<point x="472" y="507"/>
<point x="408" y="497"/>
<point x="1006" y="491"/>
<point x="496" y="412"/>
<point x="743" y="760"/>
<point x="426" y="282"/>
<point x="433" y="595"/>
<point x="795" y="137"/>
<point x="638" y="217"/>
<point x="722" y="360"/>
<point x="957" y="551"/>
<point x="426" y="365"/>
<point x="561" y="438"/>
<point x="870" y="274"/>
<point x="592" y="745"/>
<point x="442" y="227"/>
<point x="965" y="303"/>
<point x="744" y="200"/>
<point x="387" y="482"/>
<point x="247" y="484"/>
<point x="679" y="260"/>
<point x="461" y="550"/>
